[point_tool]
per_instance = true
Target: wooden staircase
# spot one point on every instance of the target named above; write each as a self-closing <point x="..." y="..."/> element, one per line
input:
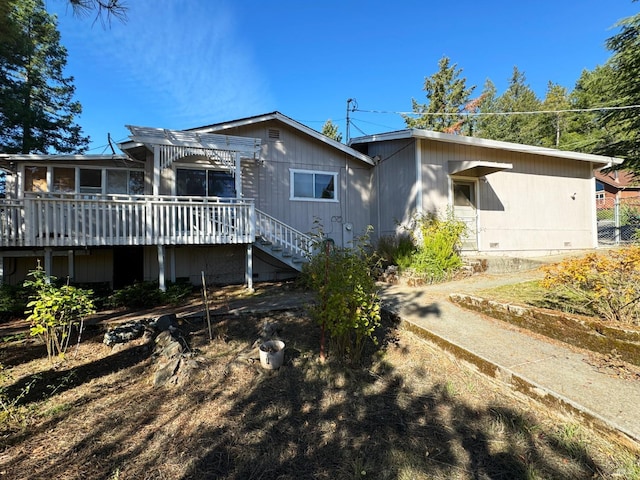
<point x="281" y="241"/>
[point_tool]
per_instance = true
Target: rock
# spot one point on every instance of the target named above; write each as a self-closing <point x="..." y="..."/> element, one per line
<point x="165" y="322"/>
<point x="124" y="333"/>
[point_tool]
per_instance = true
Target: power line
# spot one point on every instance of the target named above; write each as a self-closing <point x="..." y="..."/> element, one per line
<point x="468" y="114"/>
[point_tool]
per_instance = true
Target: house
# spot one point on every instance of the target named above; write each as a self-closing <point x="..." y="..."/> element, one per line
<point x="233" y="201"/>
<point x="616" y="185"/>
<point x="236" y="201"/>
<point x="515" y="199"/>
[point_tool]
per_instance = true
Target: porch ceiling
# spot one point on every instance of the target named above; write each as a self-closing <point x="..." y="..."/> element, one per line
<point x="476" y="168"/>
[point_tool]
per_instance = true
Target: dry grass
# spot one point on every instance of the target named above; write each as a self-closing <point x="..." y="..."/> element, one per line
<point x="411" y="412"/>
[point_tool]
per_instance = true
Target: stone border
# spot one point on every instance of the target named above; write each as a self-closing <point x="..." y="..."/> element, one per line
<point x="583" y="332"/>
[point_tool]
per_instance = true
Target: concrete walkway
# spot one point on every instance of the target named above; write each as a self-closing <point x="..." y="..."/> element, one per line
<point x="555" y="373"/>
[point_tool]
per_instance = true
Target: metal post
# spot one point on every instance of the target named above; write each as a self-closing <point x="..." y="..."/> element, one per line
<point x="616" y="221"/>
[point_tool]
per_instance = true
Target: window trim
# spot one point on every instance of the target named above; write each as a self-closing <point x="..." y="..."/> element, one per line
<point x="292" y="197"/>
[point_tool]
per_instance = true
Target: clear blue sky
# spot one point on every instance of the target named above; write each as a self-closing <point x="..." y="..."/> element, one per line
<point x="181" y="64"/>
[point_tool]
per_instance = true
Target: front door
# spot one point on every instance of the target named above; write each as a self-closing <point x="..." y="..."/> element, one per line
<point x="464" y="209"/>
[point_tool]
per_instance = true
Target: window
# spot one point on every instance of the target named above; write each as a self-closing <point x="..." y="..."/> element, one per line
<point x="35" y="179"/>
<point x="91" y="181"/>
<point x="64" y="180"/>
<point x="205" y="183"/>
<point x="125" y="182"/>
<point x="310" y="185"/>
<point x="463" y="195"/>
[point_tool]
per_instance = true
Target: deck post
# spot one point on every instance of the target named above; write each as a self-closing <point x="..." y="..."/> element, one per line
<point x="1" y="270"/>
<point x="48" y="262"/>
<point x="71" y="269"/>
<point x="249" y="270"/>
<point x="161" y="272"/>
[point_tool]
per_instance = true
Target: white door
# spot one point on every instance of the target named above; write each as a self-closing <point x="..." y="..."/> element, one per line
<point x="464" y="209"/>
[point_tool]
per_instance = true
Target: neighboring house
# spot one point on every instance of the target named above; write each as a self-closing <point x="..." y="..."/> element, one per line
<point x="236" y="201"/>
<point x="616" y="184"/>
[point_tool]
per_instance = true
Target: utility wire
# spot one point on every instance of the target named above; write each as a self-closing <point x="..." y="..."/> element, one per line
<point x="570" y="110"/>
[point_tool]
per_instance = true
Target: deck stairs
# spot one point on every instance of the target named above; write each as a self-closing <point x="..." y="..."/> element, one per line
<point x="281" y="241"/>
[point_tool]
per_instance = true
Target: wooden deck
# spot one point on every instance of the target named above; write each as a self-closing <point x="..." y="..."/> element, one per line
<point x="72" y="220"/>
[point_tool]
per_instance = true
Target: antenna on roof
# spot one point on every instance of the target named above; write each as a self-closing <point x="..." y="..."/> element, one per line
<point x="113" y="152"/>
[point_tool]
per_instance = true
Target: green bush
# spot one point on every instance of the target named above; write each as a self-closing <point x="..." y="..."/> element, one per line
<point x="54" y="311"/>
<point x="438" y="253"/>
<point x="398" y="250"/>
<point x="148" y="295"/>
<point x="13" y="300"/>
<point x="348" y="306"/>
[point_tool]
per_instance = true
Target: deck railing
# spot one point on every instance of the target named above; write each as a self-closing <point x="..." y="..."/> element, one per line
<point x="278" y="233"/>
<point x="71" y="220"/>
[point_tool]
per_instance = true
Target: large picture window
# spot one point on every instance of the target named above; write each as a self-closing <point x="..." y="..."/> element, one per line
<point x="192" y="182"/>
<point x="313" y="185"/>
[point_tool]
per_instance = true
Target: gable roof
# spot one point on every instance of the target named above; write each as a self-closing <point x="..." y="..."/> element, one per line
<point x="620" y="179"/>
<point x="486" y="143"/>
<point x="277" y="116"/>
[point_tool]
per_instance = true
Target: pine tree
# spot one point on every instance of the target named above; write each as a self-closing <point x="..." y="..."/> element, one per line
<point x="37" y="109"/>
<point x="330" y="129"/>
<point x="623" y="125"/>
<point x="448" y="96"/>
<point x="518" y="127"/>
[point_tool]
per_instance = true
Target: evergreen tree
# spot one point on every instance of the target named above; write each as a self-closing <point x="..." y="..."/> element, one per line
<point x="518" y="127"/>
<point x="448" y="96"/>
<point x="623" y="125"/>
<point x="330" y="129"/>
<point x="37" y="109"/>
<point x="552" y="127"/>
<point x="585" y="131"/>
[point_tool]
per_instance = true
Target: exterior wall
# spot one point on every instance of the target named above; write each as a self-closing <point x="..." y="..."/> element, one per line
<point x="268" y="181"/>
<point x="91" y="266"/>
<point x="543" y="204"/>
<point x="393" y="198"/>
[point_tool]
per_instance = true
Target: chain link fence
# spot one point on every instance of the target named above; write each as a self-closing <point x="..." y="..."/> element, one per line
<point x="618" y="220"/>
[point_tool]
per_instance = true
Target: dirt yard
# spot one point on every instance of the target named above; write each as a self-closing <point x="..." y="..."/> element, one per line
<point x="410" y="412"/>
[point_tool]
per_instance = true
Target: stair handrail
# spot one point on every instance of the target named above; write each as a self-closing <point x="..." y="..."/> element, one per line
<point x="279" y="233"/>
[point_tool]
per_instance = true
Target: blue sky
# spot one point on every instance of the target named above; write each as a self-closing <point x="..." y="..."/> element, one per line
<point x="182" y="64"/>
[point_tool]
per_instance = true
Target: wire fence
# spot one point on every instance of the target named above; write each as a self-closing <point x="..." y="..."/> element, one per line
<point x="618" y="220"/>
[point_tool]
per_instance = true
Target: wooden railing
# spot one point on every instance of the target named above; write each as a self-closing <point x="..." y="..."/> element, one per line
<point x="66" y="220"/>
<point x="278" y="233"/>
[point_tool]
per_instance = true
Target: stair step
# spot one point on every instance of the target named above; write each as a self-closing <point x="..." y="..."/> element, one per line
<point x="276" y="248"/>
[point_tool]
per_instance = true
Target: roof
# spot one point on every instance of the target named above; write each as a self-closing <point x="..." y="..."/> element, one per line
<point x="486" y="143"/>
<point x="277" y="116"/>
<point x="6" y="159"/>
<point x="620" y="179"/>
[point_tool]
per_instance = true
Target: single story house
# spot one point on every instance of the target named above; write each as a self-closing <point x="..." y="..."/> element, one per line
<point x="237" y="201"/>
<point x="616" y="185"/>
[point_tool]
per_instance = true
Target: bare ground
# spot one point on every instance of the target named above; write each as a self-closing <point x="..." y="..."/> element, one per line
<point x="409" y="412"/>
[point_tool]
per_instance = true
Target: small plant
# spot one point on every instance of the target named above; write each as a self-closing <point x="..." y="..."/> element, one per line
<point x="54" y="311"/>
<point x="609" y="285"/>
<point x="348" y="307"/>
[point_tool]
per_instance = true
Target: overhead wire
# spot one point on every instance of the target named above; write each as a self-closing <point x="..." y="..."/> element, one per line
<point x="568" y="110"/>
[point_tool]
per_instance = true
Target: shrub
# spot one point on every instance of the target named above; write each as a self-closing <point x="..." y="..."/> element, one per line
<point x="54" y="311"/>
<point x="348" y="306"/>
<point x="13" y="300"/>
<point x="148" y="295"/>
<point x="398" y="250"/>
<point x="609" y="285"/>
<point x="439" y="244"/>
